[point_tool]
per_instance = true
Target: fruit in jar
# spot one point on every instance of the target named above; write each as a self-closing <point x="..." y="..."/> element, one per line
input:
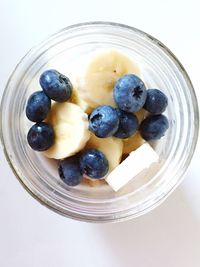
<point x="100" y="75"/>
<point x="132" y="143"/>
<point x="76" y="99"/>
<point x="70" y="171"/>
<point x="156" y="101"/>
<point x="95" y="183"/>
<point x="38" y="106"/>
<point x="41" y="136"/>
<point x="140" y="115"/>
<point x="104" y="121"/>
<point x="56" y="86"/>
<point x="130" y="93"/>
<point x="128" y="124"/>
<point x="94" y="163"/>
<point x="95" y="123"/>
<point x="70" y="124"/>
<point x="154" y="127"/>
<point x="111" y="147"/>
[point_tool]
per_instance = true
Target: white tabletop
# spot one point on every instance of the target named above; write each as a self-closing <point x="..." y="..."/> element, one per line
<point x="33" y="236"/>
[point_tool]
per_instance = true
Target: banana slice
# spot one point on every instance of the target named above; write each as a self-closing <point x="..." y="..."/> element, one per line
<point x="94" y="183"/>
<point x="70" y="124"/>
<point x="100" y="75"/>
<point x="132" y="143"/>
<point x="76" y="99"/>
<point x="140" y="115"/>
<point x="112" y="148"/>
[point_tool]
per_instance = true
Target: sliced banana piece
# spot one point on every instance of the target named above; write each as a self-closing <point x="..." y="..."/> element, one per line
<point x="100" y="75"/>
<point x="140" y="115"/>
<point x="70" y="124"/>
<point x="94" y="183"/>
<point x="112" y="148"/>
<point x="78" y="100"/>
<point x="132" y="143"/>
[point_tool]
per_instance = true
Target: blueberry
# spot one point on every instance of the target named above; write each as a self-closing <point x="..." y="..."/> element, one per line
<point x="70" y="171"/>
<point x="130" y="93"/>
<point x="128" y="124"/>
<point x="38" y="106"/>
<point x="94" y="163"/>
<point x="57" y="86"/>
<point x="154" y="127"/>
<point x="103" y="121"/>
<point x="156" y="101"/>
<point x="41" y="136"/>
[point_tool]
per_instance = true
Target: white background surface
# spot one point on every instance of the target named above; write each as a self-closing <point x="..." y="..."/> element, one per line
<point x="33" y="236"/>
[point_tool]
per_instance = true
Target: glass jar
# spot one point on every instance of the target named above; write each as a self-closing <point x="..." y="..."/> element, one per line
<point x="159" y="68"/>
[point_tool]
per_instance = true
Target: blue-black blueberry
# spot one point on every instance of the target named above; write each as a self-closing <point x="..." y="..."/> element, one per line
<point x="103" y="121"/>
<point x="130" y="93"/>
<point x="70" y="171"/>
<point x="38" y="106"/>
<point x="94" y="163"/>
<point x="56" y="85"/>
<point x="128" y="124"/>
<point x="154" y="127"/>
<point x="41" y="136"/>
<point x="156" y="101"/>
